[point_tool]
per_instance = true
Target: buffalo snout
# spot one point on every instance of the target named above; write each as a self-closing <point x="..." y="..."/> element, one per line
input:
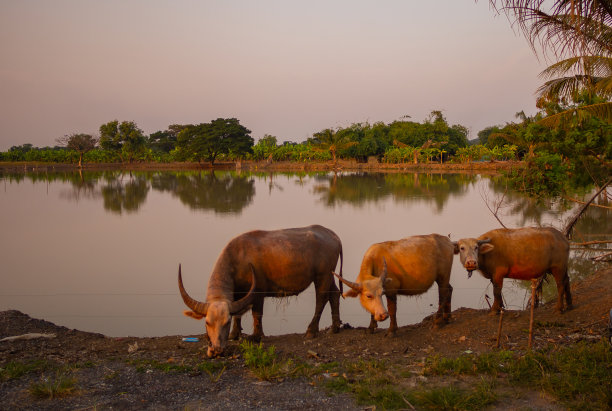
<point x="471" y="265"/>
<point x="214" y="351"/>
<point x="381" y="316"/>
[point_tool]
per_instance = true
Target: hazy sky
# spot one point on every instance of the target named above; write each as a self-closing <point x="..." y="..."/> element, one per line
<point x="286" y="68"/>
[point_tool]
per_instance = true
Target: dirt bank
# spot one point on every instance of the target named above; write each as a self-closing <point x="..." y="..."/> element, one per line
<point x="136" y="373"/>
<point x="341" y="165"/>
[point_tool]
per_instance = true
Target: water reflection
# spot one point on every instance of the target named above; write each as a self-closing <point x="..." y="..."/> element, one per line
<point x="89" y="290"/>
<point x="359" y="189"/>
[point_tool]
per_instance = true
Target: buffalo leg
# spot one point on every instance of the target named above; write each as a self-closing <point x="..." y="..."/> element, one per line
<point x="392" y="309"/>
<point x="373" y="325"/>
<point x="236" y="327"/>
<point x="334" y="303"/>
<point x="445" y="291"/>
<point x="498" y="282"/>
<point x="257" y="311"/>
<point x="322" y="290"/>
<point x="563" y="288"/>
<point x="568" y="293"/>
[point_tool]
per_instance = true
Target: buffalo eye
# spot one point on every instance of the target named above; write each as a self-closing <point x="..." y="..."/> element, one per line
<point x="369" y="296"/>
<point x="462" y="248"/>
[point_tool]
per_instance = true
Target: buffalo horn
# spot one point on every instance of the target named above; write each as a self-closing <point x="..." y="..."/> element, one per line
<point x="354" y="286"/>
<point x="195" y="306"/>
<point x="240" y="305"/>
<point x="486" y="240"/>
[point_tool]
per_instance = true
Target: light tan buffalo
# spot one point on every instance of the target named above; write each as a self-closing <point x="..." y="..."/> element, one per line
<point x="522" y="254"/>
<point x="406" y="267"/>
<point x="261" y="264"/>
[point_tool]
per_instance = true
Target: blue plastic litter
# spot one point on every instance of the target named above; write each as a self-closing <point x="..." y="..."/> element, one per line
<point x="191" y="339"/>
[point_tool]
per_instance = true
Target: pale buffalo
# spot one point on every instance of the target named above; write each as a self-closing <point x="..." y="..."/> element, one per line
<point x="406" y="267"/>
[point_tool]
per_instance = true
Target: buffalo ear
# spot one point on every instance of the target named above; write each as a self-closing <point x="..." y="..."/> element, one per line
<point x="455" y="247"/>
<point x="485" y="248"/>
<point x="351" y="293"/>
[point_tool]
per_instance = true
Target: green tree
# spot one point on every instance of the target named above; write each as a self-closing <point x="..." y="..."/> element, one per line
<point x="81" y="143"/>
<point x="209" y="140"/>
<point x="165" y="141"/>
<point x="124" y="138"/>
<point x="332" y="141"/>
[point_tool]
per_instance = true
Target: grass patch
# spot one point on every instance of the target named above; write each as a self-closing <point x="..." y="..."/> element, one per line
<point x="452" y="398"/>
<point x="14" y="369"/>
<point x="60" y="386"/>
<point x="265" y="364"/>
<point x="579" y="375"/>
<point x="167" y="367"/>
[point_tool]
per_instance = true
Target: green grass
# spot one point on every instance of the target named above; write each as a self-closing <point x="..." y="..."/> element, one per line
<point x="265" y="364"/>
<point x="60" y="386"/>
<point x="214" y="369"/>
<point x="14" y="370"/>
<point x="580" y="375"/>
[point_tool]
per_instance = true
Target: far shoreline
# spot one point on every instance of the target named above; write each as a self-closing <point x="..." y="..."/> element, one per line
<point x="488" y="167"/>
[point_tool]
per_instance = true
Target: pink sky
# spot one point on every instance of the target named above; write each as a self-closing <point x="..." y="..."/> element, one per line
<point x="286" y="68"/>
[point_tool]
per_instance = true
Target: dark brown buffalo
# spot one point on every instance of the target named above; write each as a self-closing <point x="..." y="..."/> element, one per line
<point x="282" y="263"/>
<point x="406" y="267"/>
<point x="522" y="254"/>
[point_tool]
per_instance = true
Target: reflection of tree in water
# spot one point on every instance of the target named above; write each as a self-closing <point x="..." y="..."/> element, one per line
<point x="220" y="192"/>
<point x="361" y="188"/>
<point x="124" y="193"/>
<point x="529" y="211"/>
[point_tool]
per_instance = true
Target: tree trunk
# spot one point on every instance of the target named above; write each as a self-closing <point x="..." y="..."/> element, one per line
<point x="80" y="160"/>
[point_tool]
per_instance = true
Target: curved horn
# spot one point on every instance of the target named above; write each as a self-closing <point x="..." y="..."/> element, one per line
<point x="383" y="276"/>
<point x="196" y="306"/>
<point x="355" y="286"/>
<point x="484" y="241"/>
<point x="240" y="305"/>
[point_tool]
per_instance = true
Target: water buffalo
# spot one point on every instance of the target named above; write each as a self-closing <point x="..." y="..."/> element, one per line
<point x="260" y="264"/>
<point x="406" y="267"/>
<point x="521" y="253"/>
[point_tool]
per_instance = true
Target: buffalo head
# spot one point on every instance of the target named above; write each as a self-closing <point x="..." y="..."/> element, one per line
<point x="370" y="292"/>
<point x="218" y="314"/>
<point x="469" y="249"/>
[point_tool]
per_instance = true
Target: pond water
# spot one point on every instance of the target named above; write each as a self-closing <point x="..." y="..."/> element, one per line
<point x="99" y="251"/>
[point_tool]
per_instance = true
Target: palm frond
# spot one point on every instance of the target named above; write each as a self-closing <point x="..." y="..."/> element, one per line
<point x="579" y="115"/>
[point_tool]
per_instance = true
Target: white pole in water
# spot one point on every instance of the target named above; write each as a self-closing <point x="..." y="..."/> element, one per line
<point x="534" y="284"/>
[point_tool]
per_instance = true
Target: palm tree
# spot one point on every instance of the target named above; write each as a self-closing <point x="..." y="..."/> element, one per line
<point x="578" y="33"/>
<point x="330" y="140"/>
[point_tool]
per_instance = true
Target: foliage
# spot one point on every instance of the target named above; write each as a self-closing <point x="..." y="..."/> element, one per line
<point x="578" y="34"/>
<point x="81" y="143"/>
<point x="124" y="138"/>
<point x="209" y="140"/>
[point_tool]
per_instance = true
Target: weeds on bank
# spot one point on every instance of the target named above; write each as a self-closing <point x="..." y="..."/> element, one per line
<point x="376" y="383"/>
<point x="264" y="363"/>
<point x="579" y="375"/>
<point x="14" y="369"/>
<point x="60" y="386"/>
<point x="214" y="369"/>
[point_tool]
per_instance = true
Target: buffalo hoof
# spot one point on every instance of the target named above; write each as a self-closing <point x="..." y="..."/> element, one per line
<point x="391" y="333"/>
<point x="234" y="336"/>
<point x="370" y="330"/>
<point x="335" y="329"/>
<point x="311" y="334"/>
<point x="254" y="338"/>
<point x="493" y="311"/>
